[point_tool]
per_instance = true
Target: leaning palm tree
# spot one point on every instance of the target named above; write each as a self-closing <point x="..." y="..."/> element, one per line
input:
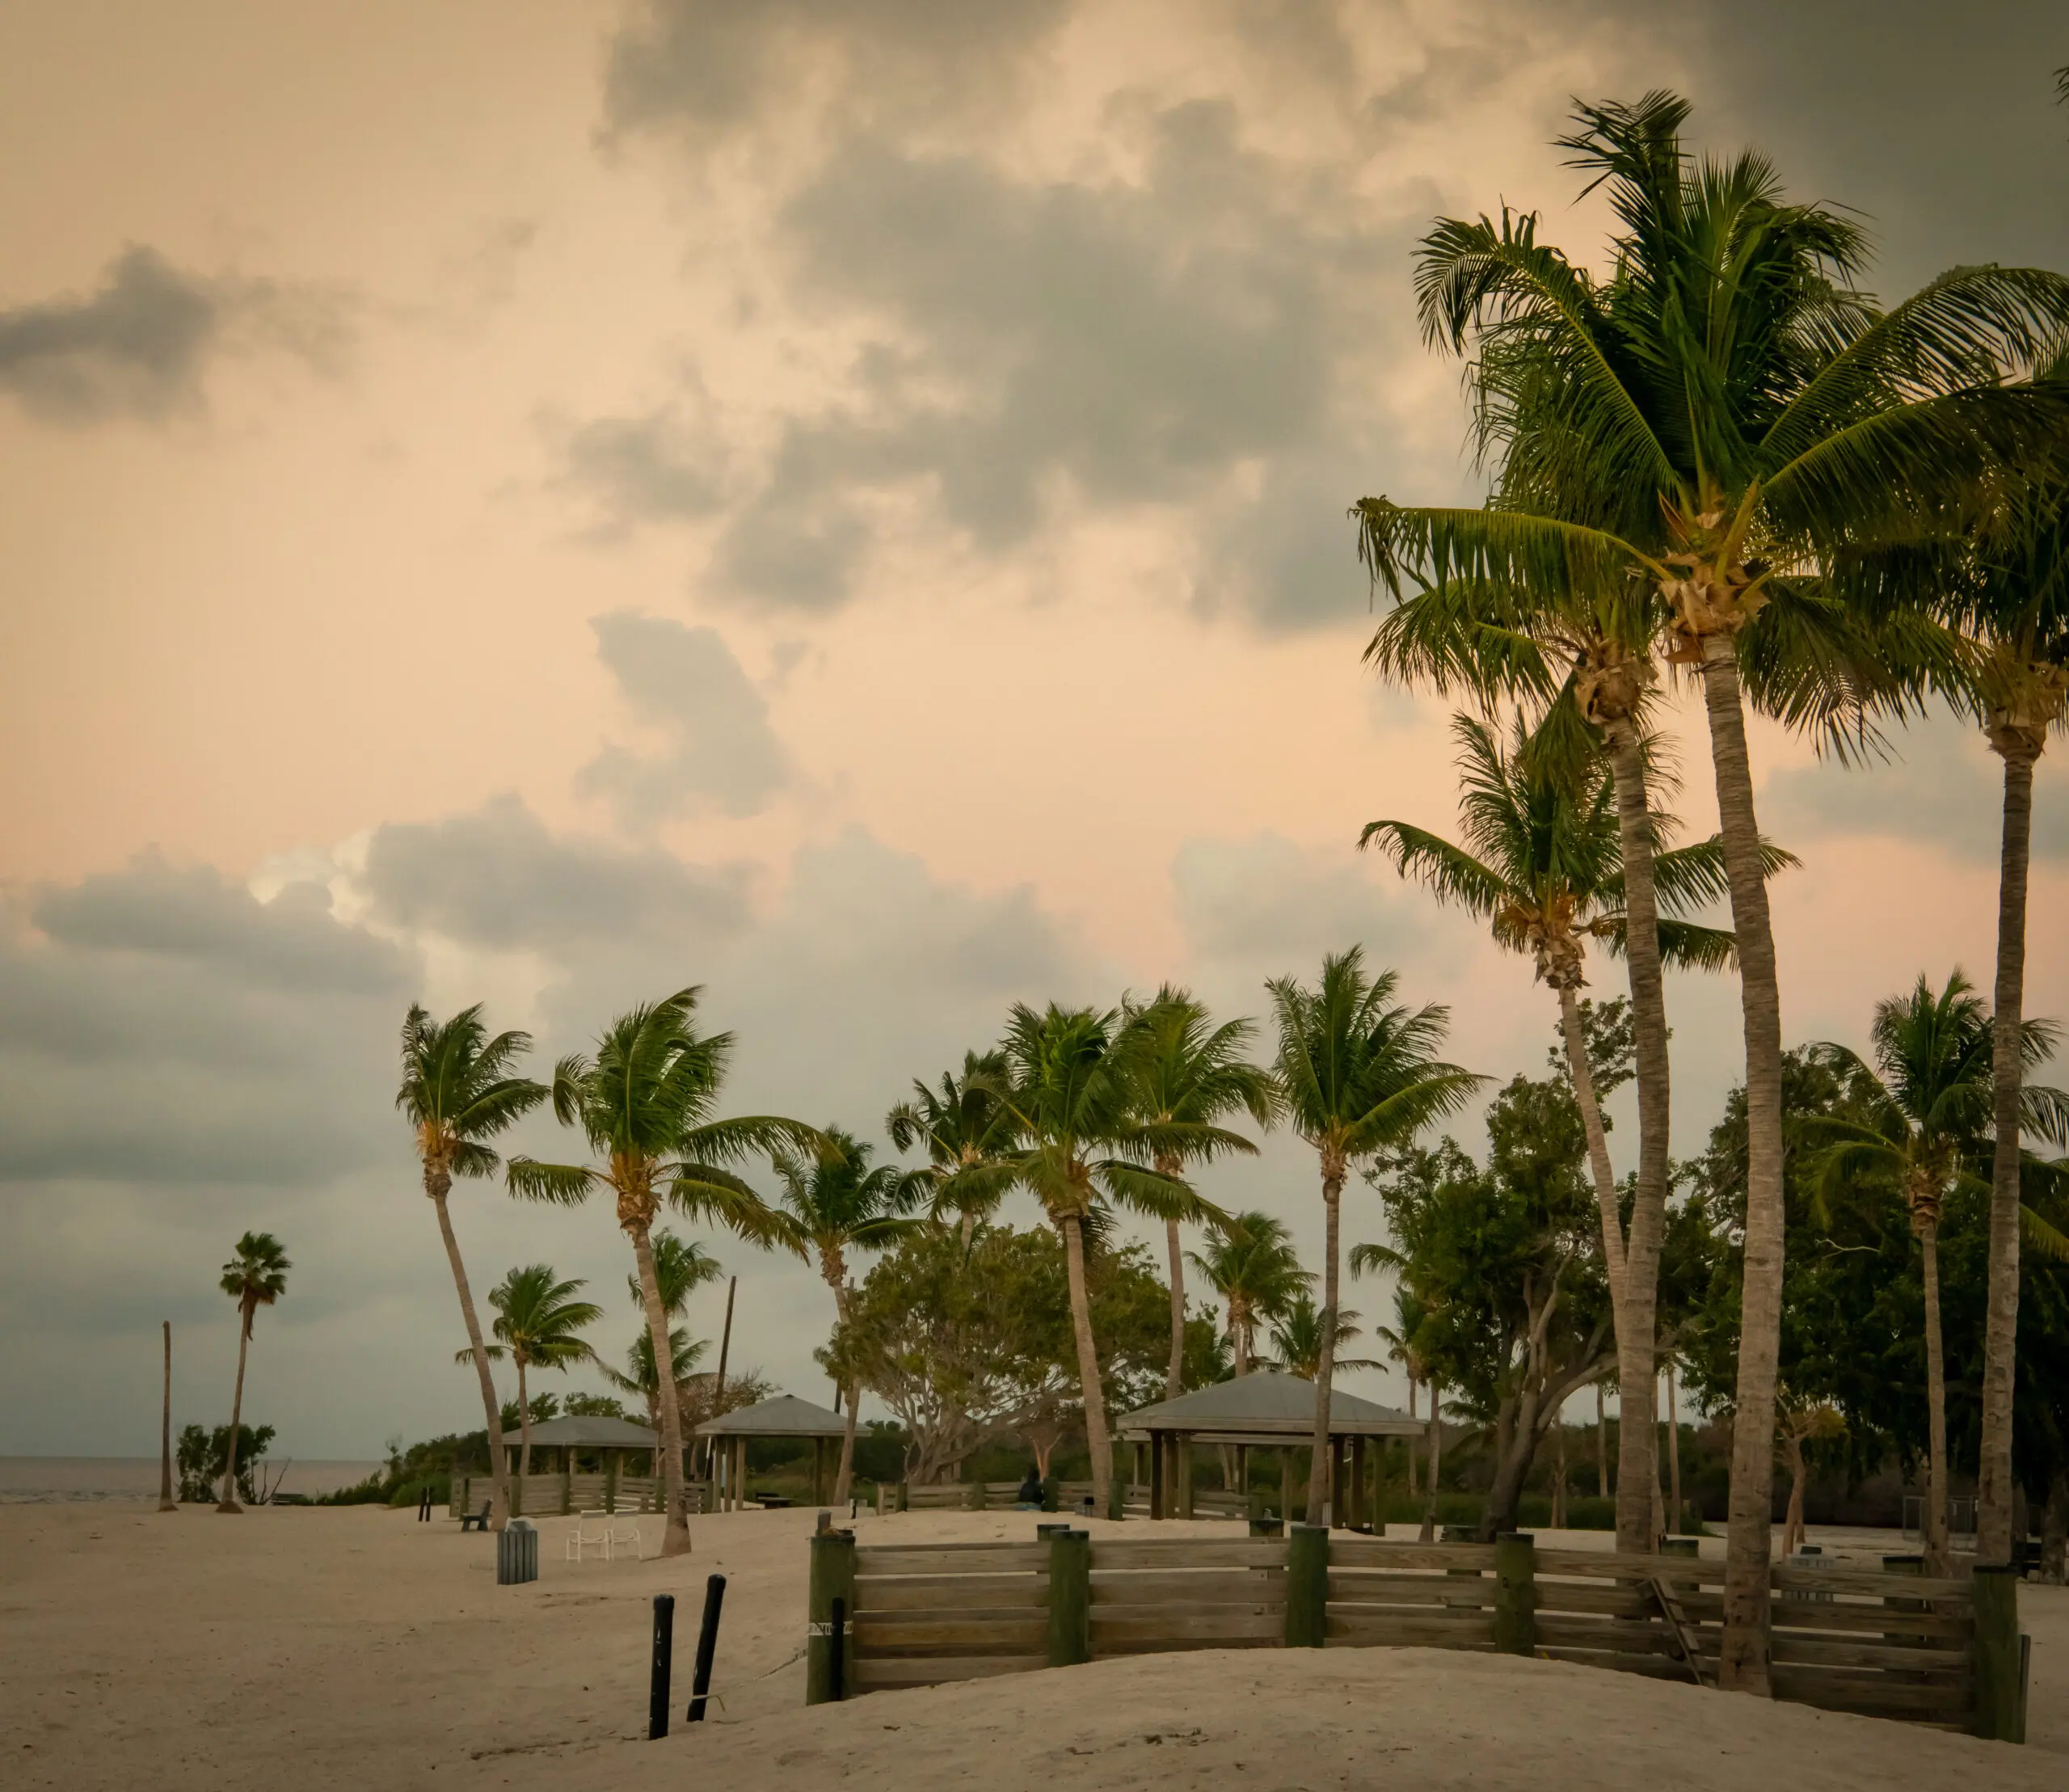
<point x="1718" y="420"/>
<point x="1929" y="1102"/>
<point x="538" y="1319"/>
<point x="968" y="1129"/>
<point x="1296" y="1340"/>
<point x="832" y="1202"/>
<point x="1080" y="1150"/>
<point x="255" y="1277"/>
<point x="1190" y="1077"/>
<point x="458" y="1093"/>
<point x="1249" y="1262"/>
<point x="1358" y="1073"/>
<point x="647" y="1103"/>
<point x="1543" y="863"/>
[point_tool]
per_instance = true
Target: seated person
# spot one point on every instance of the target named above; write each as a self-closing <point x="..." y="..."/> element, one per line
<point x="1028" y="1499"/>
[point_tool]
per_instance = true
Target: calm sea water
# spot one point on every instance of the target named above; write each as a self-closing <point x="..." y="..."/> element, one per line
<point x="47" y="1477"/>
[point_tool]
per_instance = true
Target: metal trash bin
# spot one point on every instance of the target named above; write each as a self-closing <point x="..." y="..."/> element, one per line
<point x="517" y="1553"/>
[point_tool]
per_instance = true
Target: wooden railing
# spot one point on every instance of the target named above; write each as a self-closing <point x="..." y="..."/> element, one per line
<point x="1842" y="1639"/>
<point x="556" y="1495"/>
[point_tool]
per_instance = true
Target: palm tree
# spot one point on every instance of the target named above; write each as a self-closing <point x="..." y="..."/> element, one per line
<point x="646" y="1103"/>
<point x="1717" y="419"/>
<point x="1357" y="1074"/>
<point x="967" y="1128"/>
<point x="256" y="1276"/>
<point x="1080" y="1150"/>
<point x="458" y="1093"/>
<point x="536" y="1318"/>
<point x="1190" y="1077"/>
<point x="681" y="1267"/>
<point x="1296" y="1340"/>
<point x="1543" y="863"/>
<point x="1404" y="1338"/>
<point x="1929" y="1098"/>
<point x="832" y="1203"/>
<point x="685" y="1353"/>
<point x="1249" y="1262"/>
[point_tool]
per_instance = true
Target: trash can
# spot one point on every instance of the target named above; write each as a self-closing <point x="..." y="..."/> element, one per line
<point x="517" y="1553"/>
<point x="1267" y="1527"/>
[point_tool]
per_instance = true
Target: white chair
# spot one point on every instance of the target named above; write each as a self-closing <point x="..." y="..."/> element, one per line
<point x="616" y="1536"/>
<point x="578" y="1540"/>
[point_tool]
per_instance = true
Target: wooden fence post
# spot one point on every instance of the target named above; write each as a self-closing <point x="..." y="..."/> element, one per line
<point x="1307" y="1586"/>
<point x="1515" y="1594"/>
<point x="1995" y="1591"/>
<point x="832" y="1577"/>
<point x="904" y="1496"/>
<point x="1070" y="1597"/>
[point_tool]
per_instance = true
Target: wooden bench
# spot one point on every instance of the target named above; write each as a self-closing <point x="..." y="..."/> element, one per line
<point x="475" y="1521"/>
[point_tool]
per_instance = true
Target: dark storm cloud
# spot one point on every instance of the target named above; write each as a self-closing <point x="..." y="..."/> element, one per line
<point x="497" y="878"/>
<point x="722" y="754"/>
<point x="140" y="345"/>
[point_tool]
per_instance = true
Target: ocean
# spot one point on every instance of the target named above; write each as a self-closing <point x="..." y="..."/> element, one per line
<point x="26" y="1478"/>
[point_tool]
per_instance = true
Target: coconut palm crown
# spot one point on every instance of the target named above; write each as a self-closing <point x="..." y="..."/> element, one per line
<point x="1249" y="1262"/>
<point x="967" y="1126"/>
<point x="538" y="1323"/>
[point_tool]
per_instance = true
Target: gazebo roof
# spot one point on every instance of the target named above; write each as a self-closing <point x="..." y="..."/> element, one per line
<point x="591" y="1434"/>
<point x="786" y="1416"/>
<point x="1267" y="1407"/>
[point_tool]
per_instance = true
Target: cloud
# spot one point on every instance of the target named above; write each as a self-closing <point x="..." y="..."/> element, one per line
<point x="650" y="468"/>
<point x="723" y="752"/>
<point x="1267" y="904"/>
<point x="140" y="346"/>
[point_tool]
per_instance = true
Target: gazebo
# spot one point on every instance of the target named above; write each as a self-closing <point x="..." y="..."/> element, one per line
<point x="784" y="1416"/>
<point x="1262" y="1410"/>
<point x="610" y="1438"/>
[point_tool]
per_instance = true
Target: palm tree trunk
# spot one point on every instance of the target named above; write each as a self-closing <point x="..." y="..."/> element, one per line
<point x="1410" y="1440"/>
<point x="1096" y="1439"/>
<point x="499" y="1470"/>
<point x="228" y="1502"/>
<point x="1935" y="1395"/>
<point x="675" y="1539"/>
<point x="1635" y="1314"/>
<point x="1673" y="1451"/>
<point x="1742" y="1664"/>
<point x="167" y="1503"/>
<point x="1175" y="1379"/>
<point x="1582" y="1073"/>
<point x="1601" y="1446"/>
<point x="1318" y="1487"/>
<point x="1792" y="1524"/>
<point x="1429" y="1534"/>
<point x="852" y="1392"/>
<point x="1993" y="1484"/>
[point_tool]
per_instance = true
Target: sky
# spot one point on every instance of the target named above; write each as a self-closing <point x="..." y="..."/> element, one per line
<point x="843" y="504"/>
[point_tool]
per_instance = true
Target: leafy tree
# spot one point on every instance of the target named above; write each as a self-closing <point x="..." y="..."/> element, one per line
<point x="967" y="1125"/>
<point x="204" y="1460"/>
<point x="1358" y="1076"/>
<point x="1250" y="1261"/>
<point x="256" y="1276"/>
<point x="1191" y="1075"/>
<point x="647" y="1103"/>
<point x="457" y="1092"/>
<point x="538" y="1323"/>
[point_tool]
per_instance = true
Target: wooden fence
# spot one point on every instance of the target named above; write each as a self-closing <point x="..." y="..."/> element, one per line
<point x="558" y="1495"/>
<point x="1884" y="1644"/>
<point x="1071" y="1496"/>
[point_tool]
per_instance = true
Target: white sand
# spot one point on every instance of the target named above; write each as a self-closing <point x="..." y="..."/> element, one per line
<point x="303" y="1649"/>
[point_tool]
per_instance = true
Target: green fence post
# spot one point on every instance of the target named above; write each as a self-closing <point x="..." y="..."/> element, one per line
<point x="903" y="1502"/>
<point x="1996" y="1654"/>
<point x="1515" y="1594"/>
<point x="1307" y="1586"/>
<point x="832" y="1577"/>
<point x="1070" y="1597"/>
<point x="976" y="1496"/>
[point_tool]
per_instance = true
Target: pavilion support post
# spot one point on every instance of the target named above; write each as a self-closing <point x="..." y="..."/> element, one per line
<point x="1307" y="1586"/>
<point x="1182" y="1448"/>
<point x="1243" y="1472"/>
<point x="1354" y="1516"/>
<point x="1333" y="1496"/>
<point x="566" y="1482"/>
<point x="817" y="1470"/>
<point x="1515" y="1594"/>
<point x="739" y="1489"/>
<point x="610" y="1479"/>
<point x="1070" y="1597"/>
<point x="832" y="1578"/>
<point x="1156" y="1474"/>
<point x="1285" y="1483"/>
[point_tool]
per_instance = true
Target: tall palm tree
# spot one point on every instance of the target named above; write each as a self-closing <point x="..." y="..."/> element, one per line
<point x="538" y="1319"/>
<point x="1191" y="1075"/>
<point x="1733" y="415"/>
<point x="1296" y="1340"/>
<point x="647" y="1104"/>
<point x="1358" y="1073"/>
<point x="832" y="1202"/>
<point x="256" y="1276"/>
<point x="1080" y="1150"/>
<point x="1930" y="1101"/>
<point x="1543" y="863"/>
<point x="967" y="1128"/>
<point x="1250" y="1261"/>
<point x="457" y="1092"/>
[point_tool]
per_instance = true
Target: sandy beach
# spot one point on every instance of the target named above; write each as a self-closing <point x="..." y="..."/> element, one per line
<point x="352" y="1647"/>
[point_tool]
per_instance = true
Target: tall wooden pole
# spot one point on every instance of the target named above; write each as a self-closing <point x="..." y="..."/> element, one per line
<point x="718" y="1387"/>
<point x="166" y="1502"/>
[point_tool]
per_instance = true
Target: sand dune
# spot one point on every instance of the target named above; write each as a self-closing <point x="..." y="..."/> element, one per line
<point x="312" y="1649"/>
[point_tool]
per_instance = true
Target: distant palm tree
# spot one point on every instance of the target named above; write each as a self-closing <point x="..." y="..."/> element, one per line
<point x="681" y="1267"/>
<point x="967" y="1128"/>
<point x="1190" y="1075"/>
<point x="832" y="1203"/>
<point x="1404" y="1338"/>
<point x="1358" y="1074"/>
<point x="685" y="1353"/>
<point x="457" y="1092"/>
<point x="255" y="1277"/>
<point x="1249" y="1262"/>
<point x="537" y="1318"/>
<point x="646" y="1103"/>
<point x="1296" y="1340"/>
